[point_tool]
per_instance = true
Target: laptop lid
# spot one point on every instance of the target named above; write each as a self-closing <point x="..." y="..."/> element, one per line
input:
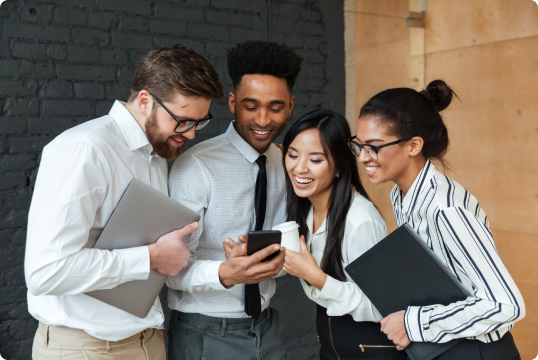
<point x="141" y="217"/>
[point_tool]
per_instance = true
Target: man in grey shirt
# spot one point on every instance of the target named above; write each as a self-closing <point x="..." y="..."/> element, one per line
<point x="215" y="315"/>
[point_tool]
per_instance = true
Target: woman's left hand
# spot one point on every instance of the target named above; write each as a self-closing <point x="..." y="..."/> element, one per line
<point x="393" y="326"/>
<point x="303" y="265"/>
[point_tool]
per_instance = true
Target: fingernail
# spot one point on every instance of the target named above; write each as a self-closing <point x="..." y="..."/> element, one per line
<point x="277" y="247"/>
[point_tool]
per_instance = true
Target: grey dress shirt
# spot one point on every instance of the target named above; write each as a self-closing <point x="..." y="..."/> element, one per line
<point x="217" y="179"/>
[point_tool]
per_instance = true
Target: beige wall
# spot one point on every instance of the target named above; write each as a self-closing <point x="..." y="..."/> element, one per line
<point x="487" y="51"/>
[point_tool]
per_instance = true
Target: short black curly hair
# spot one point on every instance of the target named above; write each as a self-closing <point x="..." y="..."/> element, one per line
<point x="266" y="58"/>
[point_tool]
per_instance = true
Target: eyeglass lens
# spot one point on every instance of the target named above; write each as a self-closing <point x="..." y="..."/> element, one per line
<point x="186" y="126"/>
<point x="368" y="152"/>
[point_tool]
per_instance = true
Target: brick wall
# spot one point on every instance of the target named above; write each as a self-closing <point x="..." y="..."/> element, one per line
<point x="63" y="62"/>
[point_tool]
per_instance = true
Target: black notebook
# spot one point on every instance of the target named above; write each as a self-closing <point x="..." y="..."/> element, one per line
<point x="402" y="271"/>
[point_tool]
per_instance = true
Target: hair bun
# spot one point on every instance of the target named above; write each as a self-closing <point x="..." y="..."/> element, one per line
<point x="439" y="94"/>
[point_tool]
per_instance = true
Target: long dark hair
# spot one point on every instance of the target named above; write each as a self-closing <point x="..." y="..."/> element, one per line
<point x="410" y="113"/>
<point x="333" y="132"/>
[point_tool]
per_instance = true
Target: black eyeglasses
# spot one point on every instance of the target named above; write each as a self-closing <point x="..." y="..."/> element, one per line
<point x="186" y="125"/>
<point x="370" y="151"/>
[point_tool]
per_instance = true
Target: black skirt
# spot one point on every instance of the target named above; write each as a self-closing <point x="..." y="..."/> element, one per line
<point x="343" y="338"/>
<point x="504" y="349"/>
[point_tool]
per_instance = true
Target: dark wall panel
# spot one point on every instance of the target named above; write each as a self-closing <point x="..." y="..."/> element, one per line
<point x="63" y="62"/>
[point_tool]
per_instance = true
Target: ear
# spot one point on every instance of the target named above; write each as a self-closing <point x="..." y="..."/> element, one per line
<point x="416" y="145"/>
<point x="144" y="102"/>
<point x="292" y="103"/>
<point x="231" y="102"/>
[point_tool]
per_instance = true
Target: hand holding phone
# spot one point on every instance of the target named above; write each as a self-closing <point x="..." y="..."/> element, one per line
<point x="250" y="269"/>
<point x="258" y="240"/>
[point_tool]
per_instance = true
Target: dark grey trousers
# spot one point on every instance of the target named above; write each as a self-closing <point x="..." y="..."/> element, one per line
<point x="200" y="337"/>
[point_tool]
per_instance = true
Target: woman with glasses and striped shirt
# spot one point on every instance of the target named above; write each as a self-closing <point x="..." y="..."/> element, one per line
<point x="399" y="133"/>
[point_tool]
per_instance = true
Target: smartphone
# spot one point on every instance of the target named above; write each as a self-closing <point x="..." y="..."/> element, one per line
<point x="258" y="240"/>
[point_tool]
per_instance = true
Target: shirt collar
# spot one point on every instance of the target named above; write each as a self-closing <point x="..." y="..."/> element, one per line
<point x="310" y="223"/>
<point x="131" y="130"/>
<point x="241" y="145"/>
<point x="408" y="202"/>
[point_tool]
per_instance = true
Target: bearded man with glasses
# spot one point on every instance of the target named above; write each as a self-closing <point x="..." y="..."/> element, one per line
<point x="82" y="176"/>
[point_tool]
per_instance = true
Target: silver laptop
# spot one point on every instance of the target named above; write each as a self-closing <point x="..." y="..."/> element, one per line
<point x="141" y="217"/>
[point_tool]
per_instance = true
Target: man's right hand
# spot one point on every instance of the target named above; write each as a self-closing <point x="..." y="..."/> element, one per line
<point x="169" y="255"/>
<point x="249" y="269"/>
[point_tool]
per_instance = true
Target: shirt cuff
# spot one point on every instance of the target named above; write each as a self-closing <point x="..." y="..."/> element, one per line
<point x="211" y="272"/>
<point x="136" y="264"/>
<point x="281" y="273"/>
<point x="331" y="289"/>
<point x="414" y="321"/>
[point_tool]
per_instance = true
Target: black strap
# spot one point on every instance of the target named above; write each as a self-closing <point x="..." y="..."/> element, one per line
<point x="253" y="306"/>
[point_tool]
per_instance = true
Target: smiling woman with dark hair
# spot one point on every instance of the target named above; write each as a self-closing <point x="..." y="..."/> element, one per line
<point x="326" y="198"/>
<point x="399" y="133"/>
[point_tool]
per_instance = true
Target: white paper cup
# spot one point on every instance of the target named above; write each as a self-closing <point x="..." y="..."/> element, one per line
<point x="290" y="235"/>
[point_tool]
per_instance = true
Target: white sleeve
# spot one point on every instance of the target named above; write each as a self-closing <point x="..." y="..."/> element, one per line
<point x="188" y="184"/>
<point x="345" y="297"/>
<point x="71" y="186"/>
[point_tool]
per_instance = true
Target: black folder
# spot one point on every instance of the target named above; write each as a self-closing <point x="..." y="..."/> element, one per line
<point x="401" y="271"/>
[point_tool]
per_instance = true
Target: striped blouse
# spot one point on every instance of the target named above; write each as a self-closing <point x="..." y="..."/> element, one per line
<point x="451" y="222"/>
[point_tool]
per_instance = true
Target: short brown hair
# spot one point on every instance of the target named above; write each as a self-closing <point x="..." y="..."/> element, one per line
<point x="166" y="70"/>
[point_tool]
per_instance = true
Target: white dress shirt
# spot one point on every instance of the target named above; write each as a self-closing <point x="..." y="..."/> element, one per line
<point x="364" y="228"/>
<point x="449" y="220"/>
<point x="82" y="176"/>
<point x="217" y="179"/>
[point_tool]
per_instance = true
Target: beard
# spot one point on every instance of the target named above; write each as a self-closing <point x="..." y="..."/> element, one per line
<point x="159" y="142"/>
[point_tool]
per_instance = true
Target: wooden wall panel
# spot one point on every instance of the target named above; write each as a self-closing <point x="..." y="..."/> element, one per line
<point x="494" y="127"/>
<point x="487" y="50"/>
<point x="462" y="23"/>
<point x="381" y="61"/>
<point x="382" y="7"/>
<point x="375" y="30"/>
<point x="349" y="41"/>
<point x="380" y="67"/>
<point x="518" y="251"/>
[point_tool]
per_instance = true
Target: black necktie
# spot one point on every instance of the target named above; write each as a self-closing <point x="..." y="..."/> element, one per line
<point x="253" y="305"/>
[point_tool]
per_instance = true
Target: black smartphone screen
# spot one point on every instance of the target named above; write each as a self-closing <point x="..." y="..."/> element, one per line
<point x="258" y="240"/>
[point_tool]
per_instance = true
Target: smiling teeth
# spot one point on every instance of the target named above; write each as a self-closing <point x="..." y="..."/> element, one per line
<point x="303" y="181"/>
<point x="261" y="132"/>
<point x="371" y="168"/>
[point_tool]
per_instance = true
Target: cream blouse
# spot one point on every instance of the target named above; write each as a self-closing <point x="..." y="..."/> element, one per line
<point x="364" y="228"/>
